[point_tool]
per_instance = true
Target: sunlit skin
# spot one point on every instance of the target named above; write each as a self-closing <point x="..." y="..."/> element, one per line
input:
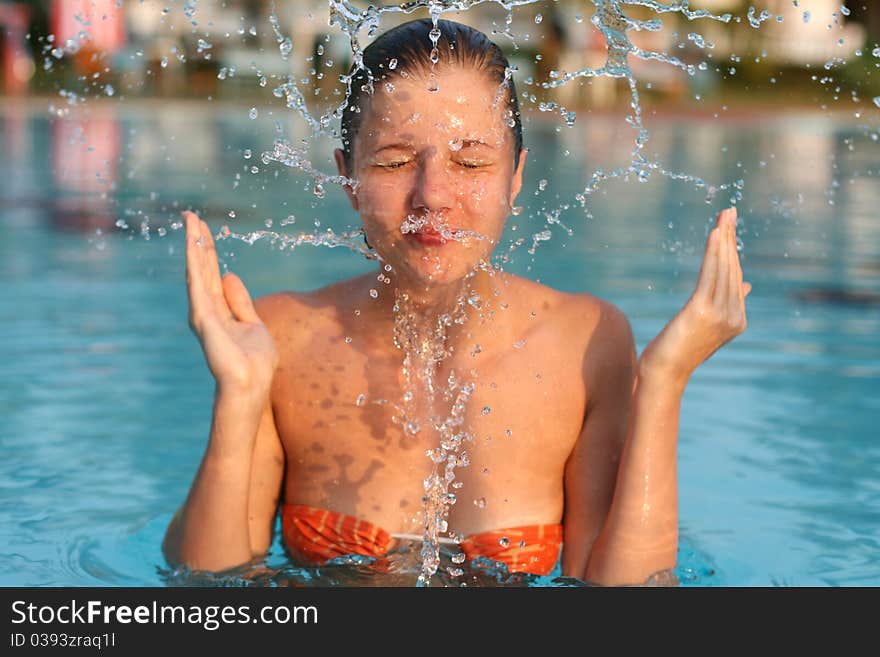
<point x="439" y="158"/>
<point x="581" y="431"/>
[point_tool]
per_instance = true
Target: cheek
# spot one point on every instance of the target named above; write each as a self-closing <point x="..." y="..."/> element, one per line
<point x="487" y="199"/>
<point x="380" y="199"/>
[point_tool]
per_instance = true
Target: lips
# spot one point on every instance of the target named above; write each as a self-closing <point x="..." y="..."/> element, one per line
<point x="428" y="238"/>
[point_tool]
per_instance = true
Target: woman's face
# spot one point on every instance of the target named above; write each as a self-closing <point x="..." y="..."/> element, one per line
<point x="436" y="173"/>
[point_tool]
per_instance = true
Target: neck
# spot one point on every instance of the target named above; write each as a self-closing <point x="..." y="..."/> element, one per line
<point x="434" y="312"/>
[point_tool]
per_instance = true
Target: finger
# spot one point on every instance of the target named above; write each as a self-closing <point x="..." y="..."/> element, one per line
<point x="239" y="299"/>
<point x="747" y="287"/>
<point x="211" y="264"/>
<point x="722" y="278"/>
<point x="706" y="280"/>
<point x="194" y="272"/>
<point x="735" y="298"/>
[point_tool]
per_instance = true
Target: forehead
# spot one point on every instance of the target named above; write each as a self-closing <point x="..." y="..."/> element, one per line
<point x="465" y="103"/>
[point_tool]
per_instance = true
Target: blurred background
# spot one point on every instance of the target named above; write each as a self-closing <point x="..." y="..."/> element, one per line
<point x="117" y="114"/>
<point x="147" y="48"/>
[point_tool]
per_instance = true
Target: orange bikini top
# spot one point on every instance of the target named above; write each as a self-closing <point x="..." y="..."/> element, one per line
<point x="318" y="535"/>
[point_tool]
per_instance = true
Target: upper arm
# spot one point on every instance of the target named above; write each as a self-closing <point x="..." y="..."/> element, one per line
<point x="267" y="465"/>
<point x="591" y="469"/>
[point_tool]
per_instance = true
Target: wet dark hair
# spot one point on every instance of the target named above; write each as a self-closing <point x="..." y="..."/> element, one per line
<point x="410" y="46"/>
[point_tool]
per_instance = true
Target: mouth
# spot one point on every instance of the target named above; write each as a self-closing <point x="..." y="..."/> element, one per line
<point x="427" y="237"/>
<point x="428" y="231"/>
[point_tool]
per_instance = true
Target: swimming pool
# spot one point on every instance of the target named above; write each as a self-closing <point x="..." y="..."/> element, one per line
<point x="106" y="401"/>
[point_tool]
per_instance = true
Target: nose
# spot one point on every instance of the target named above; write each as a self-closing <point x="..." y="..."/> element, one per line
<point x="432" y="189"/>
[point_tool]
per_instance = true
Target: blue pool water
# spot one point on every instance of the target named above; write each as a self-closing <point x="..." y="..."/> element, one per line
<point x="105" y="400"/>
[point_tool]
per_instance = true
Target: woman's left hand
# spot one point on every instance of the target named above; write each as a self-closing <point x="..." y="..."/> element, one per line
<point x="712" y="317"/>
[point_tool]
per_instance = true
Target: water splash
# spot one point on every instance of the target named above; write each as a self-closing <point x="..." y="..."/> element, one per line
<point x="609" y="18"/>
<point x="352" y="240"/>
<point x="424" y="340"/>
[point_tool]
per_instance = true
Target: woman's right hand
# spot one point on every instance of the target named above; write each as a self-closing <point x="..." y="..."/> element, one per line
<point x="713" y="316"/>
<point x="238" y="347"/>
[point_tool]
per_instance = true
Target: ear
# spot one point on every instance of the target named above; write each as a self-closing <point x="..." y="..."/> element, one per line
<point x="516" y="181"/>
<point x="339" y="156"/>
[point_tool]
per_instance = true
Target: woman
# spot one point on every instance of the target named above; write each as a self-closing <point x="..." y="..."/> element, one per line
<point x="327" y="402"/>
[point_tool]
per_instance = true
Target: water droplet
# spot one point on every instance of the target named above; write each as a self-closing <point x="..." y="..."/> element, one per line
<point x="455" y="572"/>
<point x="806" y="17"/>
<point x="480" y="502"/>
<point x="347" y="339"/>
<point x="255" y="169"/>
<point x="232" y="214"/>
<point x="247" y="153"/>
<point x="486" y="410"/>
<point x="538" y="19"/>
<point x="286" y="46"/>
<point x="392" y="64"/>
<point x="108" y="89"/>
<point x="374" y="293"/>
<point x="458" y="558"/>
<point x="163" y="62"/>
<point x="361" y="400"/>
<point x="253" y="113"/>
<point x="504" y="542"/>
<point x="877" y="101"/>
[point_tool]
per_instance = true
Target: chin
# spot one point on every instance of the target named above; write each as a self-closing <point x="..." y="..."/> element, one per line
<point x="436" y="272"/>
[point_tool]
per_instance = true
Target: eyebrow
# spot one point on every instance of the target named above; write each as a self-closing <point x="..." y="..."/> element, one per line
<point x="475" y="142"/>
<point x="406" y="146"/>
<point x="396" y="146"/>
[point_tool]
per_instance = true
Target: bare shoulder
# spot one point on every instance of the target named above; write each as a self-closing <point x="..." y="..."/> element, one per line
<point x="578" y="317"/>
<point x="293" y="315"/>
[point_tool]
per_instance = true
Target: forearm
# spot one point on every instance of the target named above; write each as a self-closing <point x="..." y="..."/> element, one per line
<point x="211" y="529"/>
<point x="640" y="534"/>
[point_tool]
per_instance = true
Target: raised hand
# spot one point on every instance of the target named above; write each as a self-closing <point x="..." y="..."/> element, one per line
<point x="237" y="345"/>
<point x="712" y="317"/>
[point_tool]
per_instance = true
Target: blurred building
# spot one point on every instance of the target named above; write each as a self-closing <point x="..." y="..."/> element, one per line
<point x="15" y="57"/>
<point x="813" y="33"/>
<point x="207" y="48"/>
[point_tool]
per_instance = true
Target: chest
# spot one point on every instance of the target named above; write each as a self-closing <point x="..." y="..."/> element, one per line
<point x="355" y="425"/>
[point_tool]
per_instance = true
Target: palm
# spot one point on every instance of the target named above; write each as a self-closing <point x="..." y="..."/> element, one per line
<point x="237" y="345"/>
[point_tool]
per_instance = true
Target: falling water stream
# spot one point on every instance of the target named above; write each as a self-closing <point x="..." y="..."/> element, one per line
<point x="423" y="345"/>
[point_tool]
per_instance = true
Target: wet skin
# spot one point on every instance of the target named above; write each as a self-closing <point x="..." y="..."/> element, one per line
<point x="441" y="159"/>
<point x="578" y="430"/>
